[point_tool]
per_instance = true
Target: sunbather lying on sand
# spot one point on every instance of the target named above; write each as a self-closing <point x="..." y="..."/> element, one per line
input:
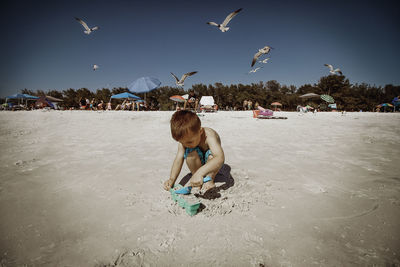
<point x="265" y="112"/>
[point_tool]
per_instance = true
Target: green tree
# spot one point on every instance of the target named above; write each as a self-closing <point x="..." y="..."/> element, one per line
<point x="70" y="98"/>
<point x="103" y="94"/>
<point x="28" y="92"/>
<point x="55" y="93"/>
<point x="332" y="84"/>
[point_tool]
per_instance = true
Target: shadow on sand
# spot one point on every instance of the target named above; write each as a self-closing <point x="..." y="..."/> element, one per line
<point x="223" y="176"/>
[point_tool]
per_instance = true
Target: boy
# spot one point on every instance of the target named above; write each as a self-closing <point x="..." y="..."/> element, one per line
<point x="200" y="146"/>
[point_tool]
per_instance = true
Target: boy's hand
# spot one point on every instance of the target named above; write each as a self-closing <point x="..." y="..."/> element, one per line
<point x="196" y="180"/>
<point x="168" y="185"/>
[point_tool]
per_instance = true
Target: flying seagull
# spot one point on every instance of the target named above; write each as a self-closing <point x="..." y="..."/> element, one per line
<point x="222" y="26"/>
<point x="87" y="29"/>
<point x="95" y="67"/>
<point x="184" y="76"/>
<point x="254" y="70"/>
<point x="263" y="51"/>
<point x="265" y="60"/>
<point x="333" y="71"/>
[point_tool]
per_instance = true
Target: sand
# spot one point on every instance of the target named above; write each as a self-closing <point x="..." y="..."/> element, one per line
<point x="82" y="188"/>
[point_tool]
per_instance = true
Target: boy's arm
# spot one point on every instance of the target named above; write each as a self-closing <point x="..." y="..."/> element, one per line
<point x="177" y="165"/>
<point x="215" y="164"/>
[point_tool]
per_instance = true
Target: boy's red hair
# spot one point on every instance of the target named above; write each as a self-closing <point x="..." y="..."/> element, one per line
<point x="182" y="122"/>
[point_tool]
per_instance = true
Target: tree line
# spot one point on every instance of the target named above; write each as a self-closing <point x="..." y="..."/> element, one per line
<point x="350" y="97"/>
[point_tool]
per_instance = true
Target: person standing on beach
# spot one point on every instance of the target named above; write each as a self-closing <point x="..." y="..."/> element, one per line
<point x="200" y="146"/>
<point x="82" y="103"/>
<point x="192" y="102"/>
<point x="245" y="104"/>
<point x="100" y="105"/>
<point x="87" y="103"/>
<point x="92" y="104"/>
<point x="249" y="104"/>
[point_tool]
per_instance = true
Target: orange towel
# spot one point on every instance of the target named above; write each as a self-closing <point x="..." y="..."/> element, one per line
<point x="255" y="113"/>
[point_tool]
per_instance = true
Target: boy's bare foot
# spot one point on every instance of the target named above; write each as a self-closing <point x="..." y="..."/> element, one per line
<point x="207" y="186"/>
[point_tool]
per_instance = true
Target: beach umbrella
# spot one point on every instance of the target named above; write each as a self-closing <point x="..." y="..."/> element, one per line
<point x="327" y="98"/>
<point x="386" y="105"/>
<point x="16" y="96"/>
<point x="309" y="95"/>
<point x="26" y="96"/>
<point x="126" y="95"/>
<point x="185" y="96"/>
<point x="21" y="96"/>
<point x="144" y="85"/>
<point x="53" y="99"/>
<point x="275" y="104"/>
<point x="177" y="98"/>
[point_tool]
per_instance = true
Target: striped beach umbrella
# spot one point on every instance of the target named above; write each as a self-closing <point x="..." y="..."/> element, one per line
<point x="386" y="105"/>
<point x="327" y="98"/>
<point x="309" y="95"/>
<point x="177" y="98"/>
<point x="275" y="104"/>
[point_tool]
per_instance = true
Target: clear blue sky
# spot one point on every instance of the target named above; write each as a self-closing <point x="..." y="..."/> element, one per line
<point x="44" y="47"/>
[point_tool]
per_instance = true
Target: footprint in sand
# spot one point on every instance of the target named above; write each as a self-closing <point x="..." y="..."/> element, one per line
<point x="369" y="139"/>
<point x="315" y="188"/>
<point x="27" y="165"/>
<point x="21" y="133"/>
<point x="127" y="259"/>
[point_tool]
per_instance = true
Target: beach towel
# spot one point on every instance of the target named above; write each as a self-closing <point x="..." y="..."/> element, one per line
<point x="262" y="112"/>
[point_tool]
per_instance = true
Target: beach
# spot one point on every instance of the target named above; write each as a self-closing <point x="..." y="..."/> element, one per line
<point x="85" y="188"/>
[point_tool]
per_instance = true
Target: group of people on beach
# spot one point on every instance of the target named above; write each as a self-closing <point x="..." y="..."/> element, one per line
<point x="191" y="103"/>
<point x="248" y="104"/>
<point x="86" y="104"/>
<point x="127" y="104"/>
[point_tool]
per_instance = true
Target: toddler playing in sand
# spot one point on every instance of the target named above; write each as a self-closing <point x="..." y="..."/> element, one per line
<point x="200" y="146"/>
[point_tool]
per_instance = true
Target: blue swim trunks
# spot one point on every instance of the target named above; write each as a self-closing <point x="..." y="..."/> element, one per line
<point x="202" y="157"/>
